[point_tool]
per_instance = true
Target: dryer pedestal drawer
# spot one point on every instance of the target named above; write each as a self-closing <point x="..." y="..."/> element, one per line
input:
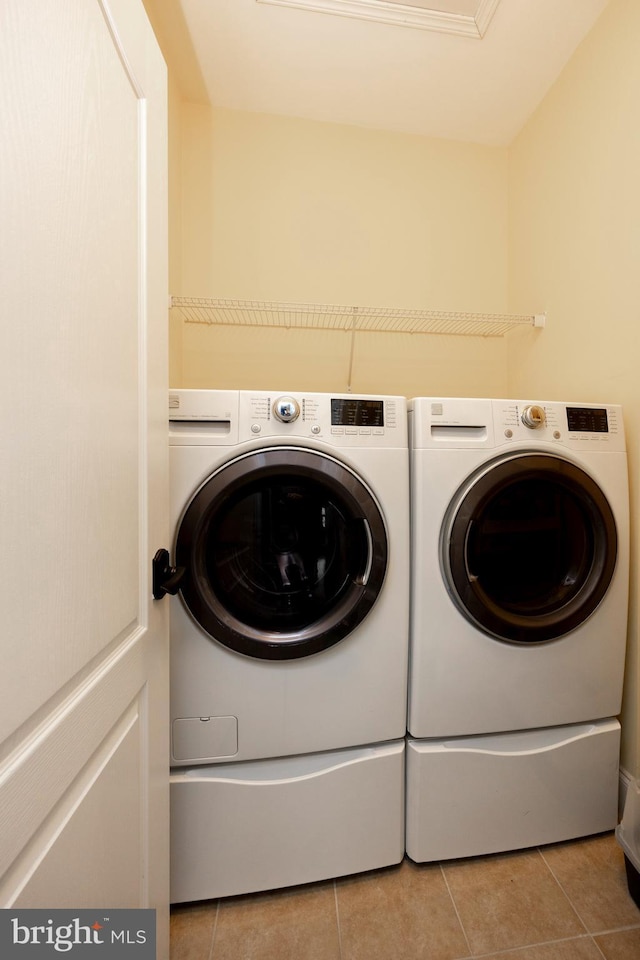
<point x="259" y="825"/>
<point x="477" y="795"/>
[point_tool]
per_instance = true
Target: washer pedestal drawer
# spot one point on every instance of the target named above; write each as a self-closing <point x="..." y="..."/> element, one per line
<point x="259" y="825"/>
<point x="476" y="795"/>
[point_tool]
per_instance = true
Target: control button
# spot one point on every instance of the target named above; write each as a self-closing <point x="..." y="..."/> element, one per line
<point x="255" y="428"/>
<point x="286" y="409"/>
<point x="508" y="434"/>
<point x="315" y="428"/>
<point x="533" y="417"/>
<point x="365" y="431"/>
<point x="556" y="434"/>
<point x="337" y="431"/>
<point x="378" y="431"/>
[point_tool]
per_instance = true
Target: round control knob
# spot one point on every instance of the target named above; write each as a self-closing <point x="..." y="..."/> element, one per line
<point x="533" y="417"/>
<point x="286" y="409"/>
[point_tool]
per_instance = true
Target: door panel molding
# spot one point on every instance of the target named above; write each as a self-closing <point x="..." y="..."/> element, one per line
<point x="39" y="772"/>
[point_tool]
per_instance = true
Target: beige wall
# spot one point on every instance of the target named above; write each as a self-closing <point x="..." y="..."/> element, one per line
<point x="292" y="210"/>
<point x="574" y="242"/>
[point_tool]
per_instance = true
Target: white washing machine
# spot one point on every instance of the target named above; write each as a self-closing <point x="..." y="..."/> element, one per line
<point x="289" y="641"/>
<point x="520" y="567"/>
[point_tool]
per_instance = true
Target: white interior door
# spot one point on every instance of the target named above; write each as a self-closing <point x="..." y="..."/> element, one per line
<point x="83" y="306"/>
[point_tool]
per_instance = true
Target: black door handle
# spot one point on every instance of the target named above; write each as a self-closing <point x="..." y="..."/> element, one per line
<point x="166" y="579"/>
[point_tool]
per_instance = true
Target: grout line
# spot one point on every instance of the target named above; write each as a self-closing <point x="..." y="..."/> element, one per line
<point x="455" y="907"/>
<point x="623" y="929"/>
<point x="335" y="896"/>
<point x="512" y="951"/>
<point x="564" y="892"/>
<point x="215" y="930"/>
<point x="597" y="946"/>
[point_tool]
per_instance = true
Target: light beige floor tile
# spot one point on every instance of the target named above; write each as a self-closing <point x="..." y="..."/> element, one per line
<point x="624" y="945"/>
<point x="510" y="900"/>
<point x="295" y="924"/>
<point x="402" y="913"/>
<point x="578" y="949"/>
<point x="406" y="913"/>
<point x="192" y="930"/>
<point x="592" y="874"/>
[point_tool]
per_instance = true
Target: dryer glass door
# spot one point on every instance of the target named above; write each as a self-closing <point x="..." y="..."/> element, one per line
<point x="285" y="552"/>
<point x="529" y="548"/>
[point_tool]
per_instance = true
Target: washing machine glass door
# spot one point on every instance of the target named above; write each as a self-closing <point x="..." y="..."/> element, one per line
<point x="285" y="552"/>
<point x="529" y="548"/>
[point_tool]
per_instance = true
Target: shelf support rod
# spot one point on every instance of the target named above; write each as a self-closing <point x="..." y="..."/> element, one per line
<point x="354" y="317"/>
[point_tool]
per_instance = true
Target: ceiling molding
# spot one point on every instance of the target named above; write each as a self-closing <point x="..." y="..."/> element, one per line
<point x="401" y="14"/>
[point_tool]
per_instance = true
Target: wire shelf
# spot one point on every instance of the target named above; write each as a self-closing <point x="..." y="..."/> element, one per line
<point x="264" y="313"/>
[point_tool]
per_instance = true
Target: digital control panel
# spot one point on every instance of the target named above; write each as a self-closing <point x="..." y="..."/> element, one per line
<point x="357" y="413"/>
<point x="587" y="420"/>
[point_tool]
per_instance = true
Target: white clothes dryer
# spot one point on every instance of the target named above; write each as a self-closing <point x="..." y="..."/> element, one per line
<point x="290" y="638"/>
<point x="520" y="566"/>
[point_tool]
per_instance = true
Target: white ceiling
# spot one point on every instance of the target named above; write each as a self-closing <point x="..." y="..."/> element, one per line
<point x="269" y="57"/>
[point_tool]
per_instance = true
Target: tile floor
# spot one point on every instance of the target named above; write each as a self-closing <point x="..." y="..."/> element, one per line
<point x="567" y="901"/>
